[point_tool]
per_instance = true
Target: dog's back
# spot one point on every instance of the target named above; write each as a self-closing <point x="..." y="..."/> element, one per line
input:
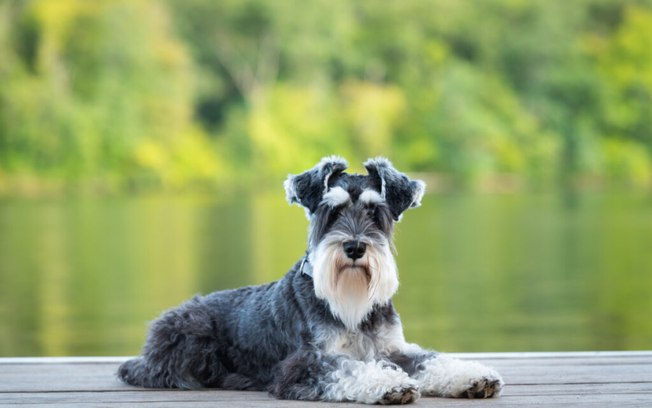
<point x="230" y="339"/>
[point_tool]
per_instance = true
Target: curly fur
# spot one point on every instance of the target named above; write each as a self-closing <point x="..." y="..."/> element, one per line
<point x="328" y="329"/>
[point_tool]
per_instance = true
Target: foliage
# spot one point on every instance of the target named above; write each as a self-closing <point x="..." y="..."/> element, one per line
<point x="125" y="94"/>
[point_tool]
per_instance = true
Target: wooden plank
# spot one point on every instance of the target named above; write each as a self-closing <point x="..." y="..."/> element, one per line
<point x="503" y="359"/>
<point x="58" y="377"/>
<point x="577" y="389"/>
<point x="588" y="361"/>
<point x="548" y="379"/>
<point x="139" y="395"/>
<point x="553" y="354"/>
<point x="472" y="356"/>
<point x="101" y="377"/>
<point x="253" y="399"/>
<point x="62" y="360"/>
<point x="216" y="397"/>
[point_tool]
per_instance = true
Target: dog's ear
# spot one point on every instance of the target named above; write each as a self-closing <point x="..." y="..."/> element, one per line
<point x="308" y="188"/>
<point x="398" y="191"/>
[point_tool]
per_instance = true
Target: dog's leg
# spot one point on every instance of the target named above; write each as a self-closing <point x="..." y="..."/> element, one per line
<point x="181" y="351"/>
<point x="442" y="376"/>
<point x="312" y="375"/>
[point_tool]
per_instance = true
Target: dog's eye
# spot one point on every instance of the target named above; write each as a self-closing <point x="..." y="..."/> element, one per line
<point x="371" y="210"/>
<point x="333" y="214"/>
<point x="381" y="217"/>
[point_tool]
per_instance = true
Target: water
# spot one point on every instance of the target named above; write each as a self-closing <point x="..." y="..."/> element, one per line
<point x="478" y="272"/>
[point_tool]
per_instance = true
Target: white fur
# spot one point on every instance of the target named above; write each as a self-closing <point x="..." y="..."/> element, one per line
<point x="418" y="194"/>
<point x="370" y="197"/>
<point x="290" y="187"/>
<point x="366" y="382"/>
<point x="349" y="292"/>
<point x="336" y="196"/>
<point x="441" y="376"/>
<point x="379" y="162"/>
<point x="445" y="376"/>
<point x="290" y="190"/>
<point x="331" y="160"/>
<point x="359" y="346"/>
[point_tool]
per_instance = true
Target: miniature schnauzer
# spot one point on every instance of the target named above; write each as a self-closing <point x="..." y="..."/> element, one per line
<point x="327" y="330"/>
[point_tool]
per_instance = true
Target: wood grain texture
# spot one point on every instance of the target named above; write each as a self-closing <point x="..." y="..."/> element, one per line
<point x="544" y="379"/>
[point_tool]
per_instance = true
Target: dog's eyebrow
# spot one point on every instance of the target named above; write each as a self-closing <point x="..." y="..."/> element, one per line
<point x="336" y="197"/>
<point x="370" y="197"/>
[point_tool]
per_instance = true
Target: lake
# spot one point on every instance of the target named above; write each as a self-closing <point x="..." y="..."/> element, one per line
<point x="478" y="272"/>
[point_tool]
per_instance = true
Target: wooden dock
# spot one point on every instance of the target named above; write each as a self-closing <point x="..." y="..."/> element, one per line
<point x="609" y="379"/>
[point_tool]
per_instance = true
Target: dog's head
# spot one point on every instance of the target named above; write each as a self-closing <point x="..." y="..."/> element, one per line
<point x="351" y="225"/>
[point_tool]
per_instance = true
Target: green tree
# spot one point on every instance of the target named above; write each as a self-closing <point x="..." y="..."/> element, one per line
<point x="89" y="86"/>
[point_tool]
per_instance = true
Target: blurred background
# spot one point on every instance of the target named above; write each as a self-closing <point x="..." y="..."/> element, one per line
<point x="143" y="146"/>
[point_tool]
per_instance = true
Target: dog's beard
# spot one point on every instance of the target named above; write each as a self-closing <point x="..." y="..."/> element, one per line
<point x="352" y="288"/>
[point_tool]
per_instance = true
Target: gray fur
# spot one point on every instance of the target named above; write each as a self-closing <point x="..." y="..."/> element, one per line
<point x="308" y="188"/>
<point x="276" y="337"/>
<point x="397" y="189"/>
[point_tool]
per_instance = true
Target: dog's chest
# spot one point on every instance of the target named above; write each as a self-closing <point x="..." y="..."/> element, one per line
<point x="361" y="345"/>
<point x="355" y="344"/>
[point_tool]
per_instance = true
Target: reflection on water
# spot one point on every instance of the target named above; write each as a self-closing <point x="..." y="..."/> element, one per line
<point x="478" y="272"/>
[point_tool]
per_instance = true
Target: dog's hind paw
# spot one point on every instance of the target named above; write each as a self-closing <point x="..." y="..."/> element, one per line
<point x="400" y="396"/>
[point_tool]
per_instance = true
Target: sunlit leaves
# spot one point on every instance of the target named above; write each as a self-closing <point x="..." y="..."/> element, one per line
<point x="159" y="94"/>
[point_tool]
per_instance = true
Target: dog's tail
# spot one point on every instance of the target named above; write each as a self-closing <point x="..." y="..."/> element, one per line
<point x="134" y="372"/>
<point x="139" y="373"/>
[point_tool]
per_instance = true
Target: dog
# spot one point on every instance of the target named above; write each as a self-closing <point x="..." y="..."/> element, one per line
<point x="327" y="330"/>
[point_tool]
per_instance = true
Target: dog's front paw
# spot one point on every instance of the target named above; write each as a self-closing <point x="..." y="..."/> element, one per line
<point x="400" y="395"/>
<point x="485" y="387"/>
<point x="370" y="382"/>
<point x="443" y="376"/>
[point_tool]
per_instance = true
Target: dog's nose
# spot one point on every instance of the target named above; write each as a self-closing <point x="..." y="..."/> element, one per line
<point x="354" y="249"/>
